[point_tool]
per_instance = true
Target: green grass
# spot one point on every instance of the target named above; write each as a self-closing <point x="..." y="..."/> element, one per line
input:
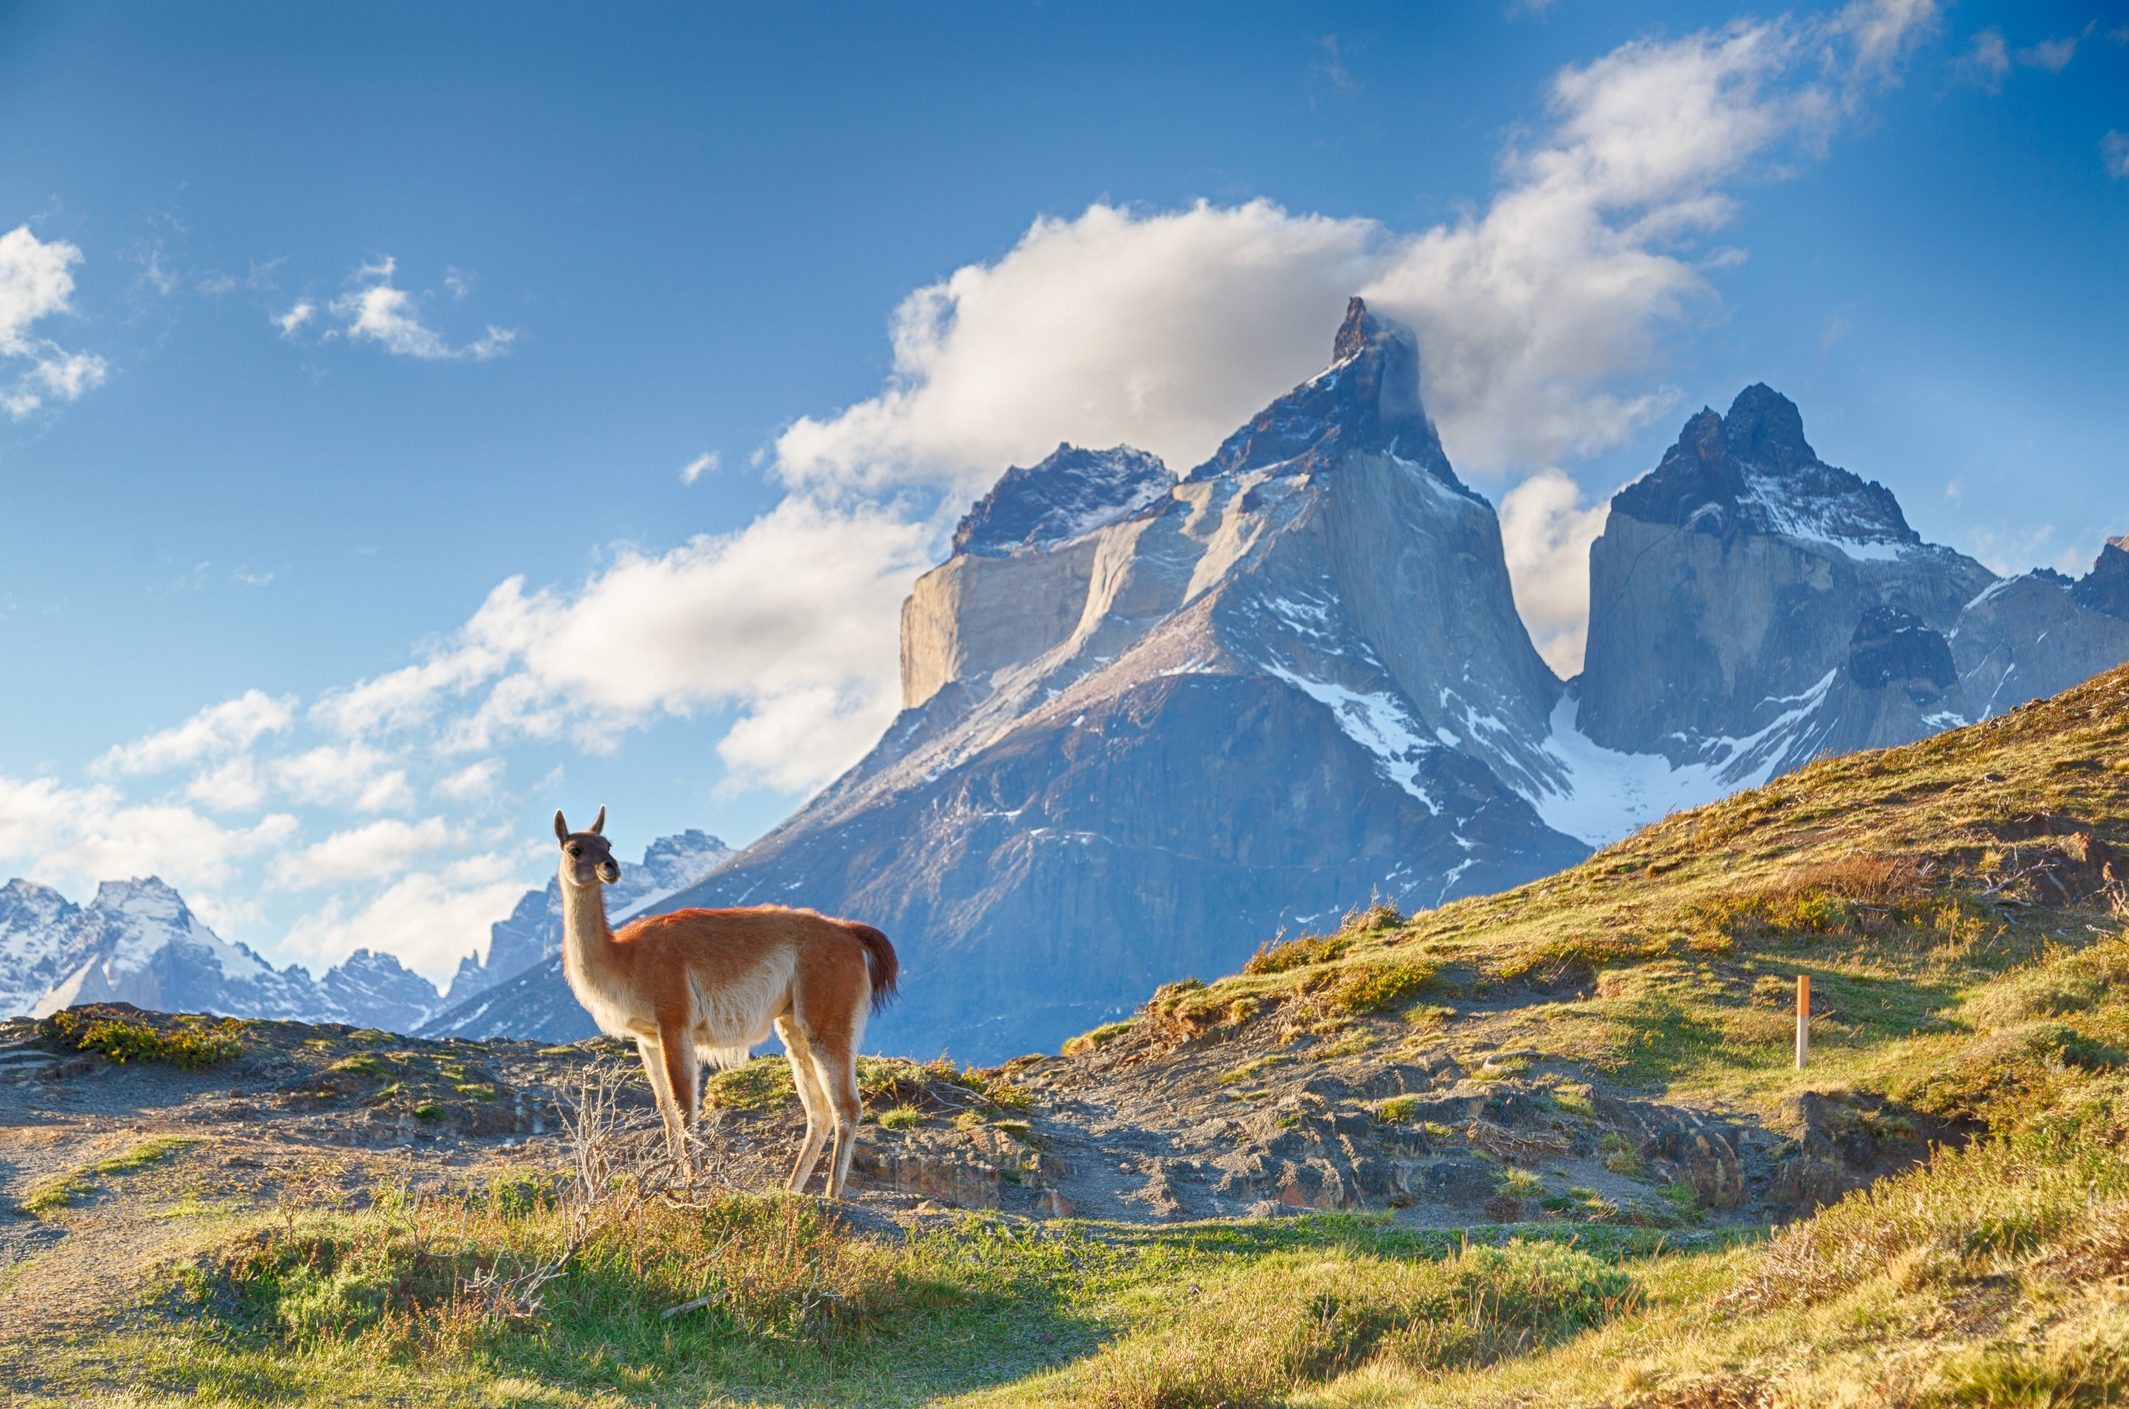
<point x="1256" y="1067"/>
<point x="789" y="1306"/>
<point x="1660" y="968"/>
<point x="50" y="1196"/>
<point x="1098" y="1037"/>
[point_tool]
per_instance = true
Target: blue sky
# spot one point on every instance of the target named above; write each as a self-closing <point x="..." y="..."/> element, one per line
<point x="351" y="358"/>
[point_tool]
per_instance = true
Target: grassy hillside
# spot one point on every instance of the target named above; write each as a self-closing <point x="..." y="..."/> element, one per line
<point x="1957" y="904"/>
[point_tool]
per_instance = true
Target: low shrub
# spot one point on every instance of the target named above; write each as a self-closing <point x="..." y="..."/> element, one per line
<point x="186" y="1041"/>
<point x="1100" y="1037"/>
<point x="1372" y="988"/>
<point x="1278" y="956"/>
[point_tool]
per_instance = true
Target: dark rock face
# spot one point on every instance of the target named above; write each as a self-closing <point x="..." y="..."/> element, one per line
<point x="381" y="990"/>
<point x="2039" y="633"/>
<point x="1892" y="647"/>
<point x="1063" y="874"/>
<point x="36" y="930"/>
<point x="2106" y="587"/>
<point x="1752" y="471"/>
<point x="138" y="942"/>
<point x="1070" y="493"/>
<point x="1247" y="700"/>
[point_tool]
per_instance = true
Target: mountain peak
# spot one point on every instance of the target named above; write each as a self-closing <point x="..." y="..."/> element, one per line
<point x="1753" y="471"/>
<point x="143" y="895"/>
<point x="1359" y="330"/>
<point x="1069" y="492"/>
<point x="1765" y="428"/>
<point x="1367" y="399"/>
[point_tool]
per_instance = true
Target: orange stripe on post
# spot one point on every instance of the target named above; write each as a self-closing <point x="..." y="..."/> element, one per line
<point x="1803" y="1018"/>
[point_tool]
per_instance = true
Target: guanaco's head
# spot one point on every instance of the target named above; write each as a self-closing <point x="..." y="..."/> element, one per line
<point x="587" y="857"/>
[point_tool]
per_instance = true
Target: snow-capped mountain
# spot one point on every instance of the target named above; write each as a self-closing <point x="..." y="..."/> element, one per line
<point x="1289" y="679"/>
<point x="1150" y="721"/>
<point x="138" y="942"/>
<point x="1752" y="607"/>
<point x="37" y="926"/>
<point x="533" y="930"/>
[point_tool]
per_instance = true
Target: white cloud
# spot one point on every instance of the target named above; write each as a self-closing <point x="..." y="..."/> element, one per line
<point x="379" y="311"/>
<point x="1160" y="330"/>
<point x="719" y="621"/>
<point x="1540" y="316"/>
<point x="703" y="464"/>
<point x="407" y="697"/>
<point x="75" y="837"/>
<point x="377" y="851"/>
<point x="353" y="775"/>
<point x="2050" y="55"/>
<point x="1987" y="60"/>
<point x="1546" y="530"/>
<point x="293" y="320"/>
<point x="233" y="785"/>
<point x="37" y="282"/>
<point x="2114" y="152"/>
<point x="1884" y="30"/>
<point x="473" y="783"/>
<point x="427" y="918"/>
<point x="229" y="727"/>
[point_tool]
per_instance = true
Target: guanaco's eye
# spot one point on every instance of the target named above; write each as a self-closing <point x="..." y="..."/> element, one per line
<point x="575" y="850"/>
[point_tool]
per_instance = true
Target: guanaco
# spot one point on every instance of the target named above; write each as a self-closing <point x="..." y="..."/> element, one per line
<point x="696" y="986"/>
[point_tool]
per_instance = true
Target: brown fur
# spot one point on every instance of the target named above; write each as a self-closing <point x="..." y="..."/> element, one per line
<point x="695" y="985"/>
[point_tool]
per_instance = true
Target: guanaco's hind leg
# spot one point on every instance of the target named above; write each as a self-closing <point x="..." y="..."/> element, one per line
<point x="811" y="1096"/>
<point x="683" y="1071"/>
<point x="837" y="1071"/>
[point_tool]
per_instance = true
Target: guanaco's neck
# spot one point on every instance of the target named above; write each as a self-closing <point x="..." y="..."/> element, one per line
<point x="586" y="938"/>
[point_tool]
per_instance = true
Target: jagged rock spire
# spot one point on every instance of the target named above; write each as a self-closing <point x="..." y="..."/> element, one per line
<point x="2106" y="587"/>
<point x="1366" y="400"/>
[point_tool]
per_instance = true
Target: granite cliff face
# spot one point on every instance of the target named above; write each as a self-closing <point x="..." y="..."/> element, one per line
<point x="1752" y="608"/>
<point x="1151" y="720"/>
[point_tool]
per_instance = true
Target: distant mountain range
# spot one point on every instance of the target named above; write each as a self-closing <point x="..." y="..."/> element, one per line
<point x="138" y="942"/>
<point x="1149" y="720"/>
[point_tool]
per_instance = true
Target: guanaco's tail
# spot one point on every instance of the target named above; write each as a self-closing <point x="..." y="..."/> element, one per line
<point x="886" y="969"/>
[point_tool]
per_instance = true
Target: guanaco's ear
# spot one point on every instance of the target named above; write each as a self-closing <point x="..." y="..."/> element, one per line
<point x="561" y="828"/>
<point x="598" y="823"/>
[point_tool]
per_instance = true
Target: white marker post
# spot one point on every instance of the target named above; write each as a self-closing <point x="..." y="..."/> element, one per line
<point x="1803" y="1019"/>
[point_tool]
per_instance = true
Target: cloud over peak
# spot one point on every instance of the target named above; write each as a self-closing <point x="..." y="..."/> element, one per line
<point x="1540" y="316"/>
